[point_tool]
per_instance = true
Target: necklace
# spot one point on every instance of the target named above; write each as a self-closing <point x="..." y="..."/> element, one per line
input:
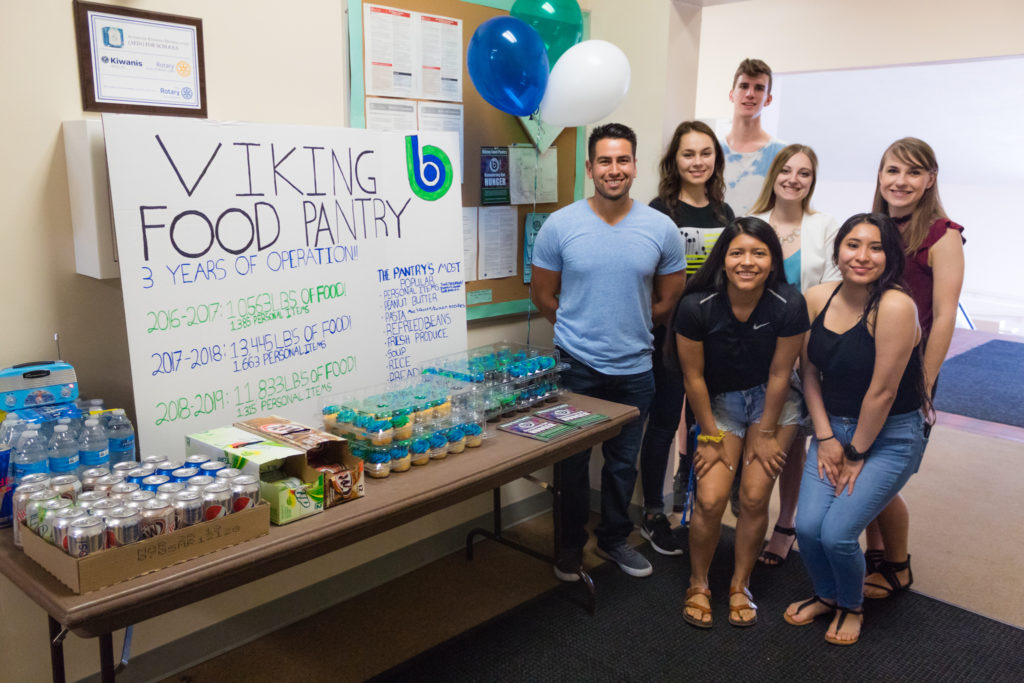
<point x="790" y="237"/>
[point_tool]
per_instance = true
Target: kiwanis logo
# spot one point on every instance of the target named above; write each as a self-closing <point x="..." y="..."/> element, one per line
<point x="430" y="176"/>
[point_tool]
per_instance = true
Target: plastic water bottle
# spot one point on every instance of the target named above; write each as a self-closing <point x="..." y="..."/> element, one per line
<point x="29" y="455"/>
<point x="62" y="451"/>
<point x="6" y="468"/>
<point x="93" y="447"/>
<point x="120" y="438"/>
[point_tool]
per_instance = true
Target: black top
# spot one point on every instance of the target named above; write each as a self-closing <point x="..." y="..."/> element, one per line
<point x="846" y="362"/>
<point x="738" y="355"/>
<point x="699" y="229"/>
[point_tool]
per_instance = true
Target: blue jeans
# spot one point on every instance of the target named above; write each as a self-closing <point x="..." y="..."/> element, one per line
<point x="828" y="526"/>
<point x="618" y="476"/>
<point x="662" y="423"/>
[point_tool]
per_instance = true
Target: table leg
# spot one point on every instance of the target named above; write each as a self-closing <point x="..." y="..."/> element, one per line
<point x="496" y="534"/>
<point x="107" y="658"/>
<point x="56" y="651"/>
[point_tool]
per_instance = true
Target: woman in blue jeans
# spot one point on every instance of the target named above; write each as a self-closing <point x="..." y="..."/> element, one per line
<point x="864" y="389"/>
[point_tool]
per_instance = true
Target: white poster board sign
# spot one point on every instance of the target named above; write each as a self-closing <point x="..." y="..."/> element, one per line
<point x="265" y="267"/>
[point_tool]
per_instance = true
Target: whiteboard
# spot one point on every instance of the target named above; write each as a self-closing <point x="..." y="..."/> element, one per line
<point x="265" y="267"/>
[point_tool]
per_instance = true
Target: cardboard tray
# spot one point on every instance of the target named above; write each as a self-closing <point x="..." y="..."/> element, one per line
<point x="114" y="565"/>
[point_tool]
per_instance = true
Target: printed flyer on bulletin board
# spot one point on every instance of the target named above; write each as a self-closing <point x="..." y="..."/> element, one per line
<point x="265" y="267"/>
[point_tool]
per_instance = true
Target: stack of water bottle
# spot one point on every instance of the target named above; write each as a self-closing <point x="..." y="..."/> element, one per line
<point x="80" y="487"/>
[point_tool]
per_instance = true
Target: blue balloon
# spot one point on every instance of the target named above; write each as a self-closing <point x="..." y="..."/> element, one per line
<point x="508" y="65"/>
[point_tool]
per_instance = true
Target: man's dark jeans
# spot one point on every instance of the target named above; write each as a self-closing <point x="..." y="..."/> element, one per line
<point x="618" y="476"/>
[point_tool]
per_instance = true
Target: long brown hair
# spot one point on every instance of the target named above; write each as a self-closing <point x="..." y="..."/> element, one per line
<point x="766" y="200"/>
<point x="914" y="153"/>
<point x="672" y="182"/>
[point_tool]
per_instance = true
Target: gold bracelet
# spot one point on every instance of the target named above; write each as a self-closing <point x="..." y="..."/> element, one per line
<point x="707" y="438"/>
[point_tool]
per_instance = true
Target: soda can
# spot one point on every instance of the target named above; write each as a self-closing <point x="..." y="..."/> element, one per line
<point x="216" y="501"/>
<point x="153" y="459"/>
<point x="167" y="490"/>
<point x="102" y="508"/>
<point x="245" y="492"/>
<point x="188" y="508"/>
<point x="212" y="468"/>
<point x="86" y="535"/>
<point x="124" y="526"/>
<point x="123" y="490"/>
<point x="196" y="460"/>
<point x="165" y="468"/>
<point x="184" y="473"/>
<point x="19" y="504"/>
<point x="199" y="482"/>
<point x="87" y="498"/>
<point x="62" y="522"/>
<point x="67" y="486"/>
<point x="157" y="518"/>
<point x="154" y="481"/>
<point x="89" y="477"/>
<point x="123" y="468"/>
<point x="106" y="482"/>
<point x="137" y="474"/>
<point x="141" y="496"/>
<point x="228" y="473"/>
<point x="47" y="513"/>
<point x="35" y="478"/>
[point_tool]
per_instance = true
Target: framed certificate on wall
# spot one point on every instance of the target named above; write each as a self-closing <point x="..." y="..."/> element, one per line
<point x="139" y="62"/>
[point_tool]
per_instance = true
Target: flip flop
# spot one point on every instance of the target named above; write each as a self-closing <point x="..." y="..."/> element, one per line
<point x="807" y="603"/>
<point x="843" y="613"/>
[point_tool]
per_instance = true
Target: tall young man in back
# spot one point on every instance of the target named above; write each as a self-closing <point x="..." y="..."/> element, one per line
<point x="749" y="149"/>
<point x="604" y="269"/>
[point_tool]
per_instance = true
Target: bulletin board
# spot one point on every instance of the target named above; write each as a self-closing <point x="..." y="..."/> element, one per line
<point x="485" y="126"/>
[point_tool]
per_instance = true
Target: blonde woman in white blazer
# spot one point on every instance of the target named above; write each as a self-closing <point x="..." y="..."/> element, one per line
<point x="807" y="237"/>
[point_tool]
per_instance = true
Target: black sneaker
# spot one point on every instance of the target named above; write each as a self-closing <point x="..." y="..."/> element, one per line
<point x="568" y="565"/>
<point x="658" y="531"/>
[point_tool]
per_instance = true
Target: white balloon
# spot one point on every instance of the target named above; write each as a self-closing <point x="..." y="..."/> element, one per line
<point x="586" y="84"/>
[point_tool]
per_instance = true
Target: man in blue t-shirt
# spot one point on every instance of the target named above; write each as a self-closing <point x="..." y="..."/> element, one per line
<point x="605" y="269"/>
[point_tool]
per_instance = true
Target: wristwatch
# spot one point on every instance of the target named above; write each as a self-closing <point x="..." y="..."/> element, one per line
<point x="852" y="454"/>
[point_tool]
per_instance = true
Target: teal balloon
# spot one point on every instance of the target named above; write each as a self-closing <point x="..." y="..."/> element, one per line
<point x="559" y="23"/>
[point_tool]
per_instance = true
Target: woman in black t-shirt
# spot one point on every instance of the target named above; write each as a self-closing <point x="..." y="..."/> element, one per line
<point x="691" y="193"/>
<point x="739" y="328"/>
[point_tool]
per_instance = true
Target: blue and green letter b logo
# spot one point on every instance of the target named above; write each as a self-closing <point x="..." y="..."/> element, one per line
<point x="431" y="176"/>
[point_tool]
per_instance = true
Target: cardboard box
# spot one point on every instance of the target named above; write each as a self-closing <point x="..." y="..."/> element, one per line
<point x="252" y="454"/>
<point x="320" y="447"/>
<point x="113" y="565"/>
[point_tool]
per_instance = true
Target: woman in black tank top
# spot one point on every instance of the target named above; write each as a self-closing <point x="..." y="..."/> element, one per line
<point x="864" y="390"/>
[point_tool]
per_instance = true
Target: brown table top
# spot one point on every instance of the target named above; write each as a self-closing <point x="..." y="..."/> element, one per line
<point x="388" y="503"/>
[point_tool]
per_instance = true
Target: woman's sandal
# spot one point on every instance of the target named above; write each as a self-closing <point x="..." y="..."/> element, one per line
<point x="770" y="559"/>
<point x="843" y="613"/>
<point x="693" y="604"/>
<point x="807" y="603"/>
<point x="734" y="610"/>
<point x="888" y="571"/>
<point x="873" y="560"/>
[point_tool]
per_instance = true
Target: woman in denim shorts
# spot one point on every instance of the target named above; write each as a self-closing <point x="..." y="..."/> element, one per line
<point x="864" y="387"/>
<point x="739" y="328"/>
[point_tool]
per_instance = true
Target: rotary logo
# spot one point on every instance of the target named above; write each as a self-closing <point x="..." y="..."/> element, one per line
<point x="183" y="69"/>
